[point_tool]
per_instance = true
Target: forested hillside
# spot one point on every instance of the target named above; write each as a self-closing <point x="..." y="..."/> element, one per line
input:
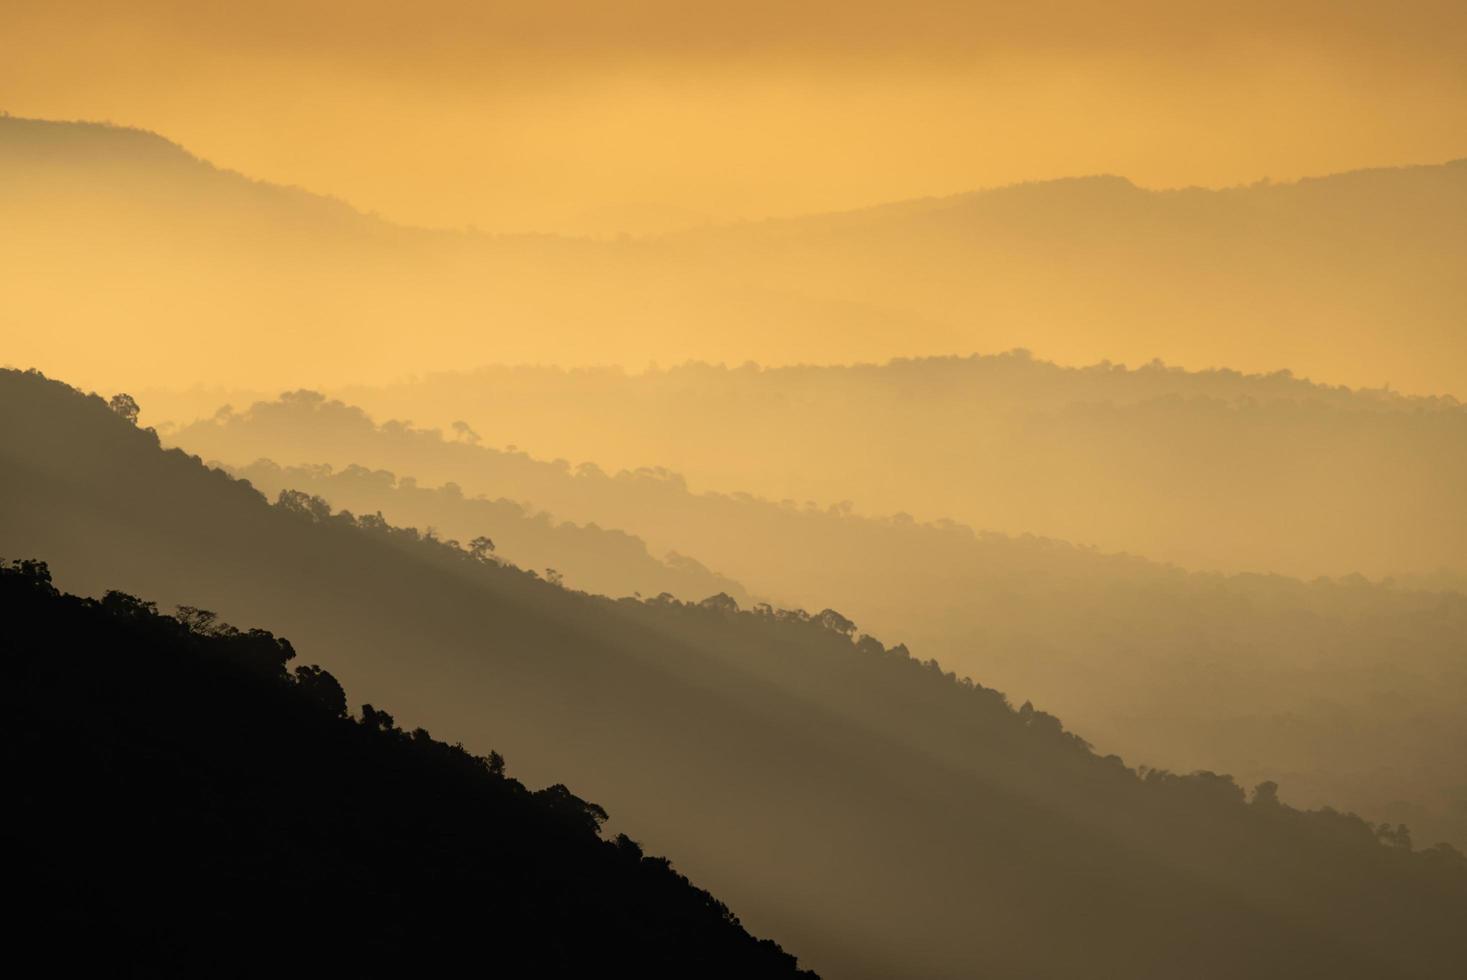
<point x="184" y="803"/>
<point x="1345" y="691"/>
<point x="854" y="804"/>
<point x="583" y="556"/>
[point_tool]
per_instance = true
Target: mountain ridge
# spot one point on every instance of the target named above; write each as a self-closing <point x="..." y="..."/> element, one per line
<point x="1306" y="274"/>
<point x="1208" y="669"/>
<point x="120" y="137"/>
<point x="956" y="833"/>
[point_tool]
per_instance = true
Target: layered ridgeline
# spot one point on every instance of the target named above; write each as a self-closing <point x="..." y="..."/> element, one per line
<point x="182" y="803"/>
<point x="1215" y="470"/>
<point x="1345" y="691"/>
<point x="1354" y="277"/>
<point x="863" y="808"/>
<point x="582" y="556"/>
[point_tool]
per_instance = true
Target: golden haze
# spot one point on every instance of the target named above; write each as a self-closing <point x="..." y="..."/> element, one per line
<point x="584" y="116"/>
<point x="929" y="663"/>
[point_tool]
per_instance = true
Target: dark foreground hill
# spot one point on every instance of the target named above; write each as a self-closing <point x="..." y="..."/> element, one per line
<point x="180" y="802"/>
<point x="880" y="816"/>
<point x="1348" y="692"/>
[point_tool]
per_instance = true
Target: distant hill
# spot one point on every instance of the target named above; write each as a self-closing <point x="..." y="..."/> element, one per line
<point x="878" y="815"/>
<point x="181" y="803"/>
<point x="1343" y="690"/>
<point x="108" y="166"/>
<point x="1214" y="470"/>
<point x="1354" y="277"/>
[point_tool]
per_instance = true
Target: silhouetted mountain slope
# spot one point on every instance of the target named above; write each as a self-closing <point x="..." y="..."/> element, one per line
<point x="182" y="804"/>
<point x="586" y="557"/>
<point x="880" y="817"/>
<point x="1216" y="470"/>
<point x="1344" y="691"/>
<point x="1354" y="276"/>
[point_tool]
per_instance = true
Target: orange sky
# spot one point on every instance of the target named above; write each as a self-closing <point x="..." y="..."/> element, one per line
<point x="577" y="115"/>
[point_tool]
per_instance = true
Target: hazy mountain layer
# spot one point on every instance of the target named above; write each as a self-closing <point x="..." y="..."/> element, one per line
<point x="880" y="817"/>
<point x="113" y="232"/>
<point x="1215" y="470"/>
<point x="182" y="805"/>
<point x="1344" y="691"/>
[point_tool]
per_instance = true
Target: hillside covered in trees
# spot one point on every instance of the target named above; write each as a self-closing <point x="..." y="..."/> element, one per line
<point x="181" y="802"/>
<point x="586" y="557"/>
<point x="1345" y="691"/>
<point x="853" y="803"/>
